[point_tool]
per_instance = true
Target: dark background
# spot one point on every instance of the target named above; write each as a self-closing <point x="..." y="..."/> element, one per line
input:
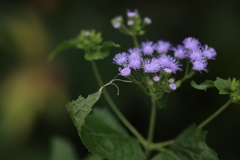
<point x="34" y="92"/>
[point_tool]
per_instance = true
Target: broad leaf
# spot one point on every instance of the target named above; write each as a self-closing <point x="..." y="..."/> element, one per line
<point x="62" y="149"/>
<point x="63" y="46"/>
<point x="203" y="86"/>
<point x="104" y="136"/>
<point x="93" y="157"/>
<point x="80" y="108"/>
<point x="224" y="86"/>
<point x="189" y="145"/>
<point x="100" y="51"/>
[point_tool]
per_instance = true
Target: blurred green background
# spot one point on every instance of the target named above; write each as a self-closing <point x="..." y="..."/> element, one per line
<point x="33" y="93"/>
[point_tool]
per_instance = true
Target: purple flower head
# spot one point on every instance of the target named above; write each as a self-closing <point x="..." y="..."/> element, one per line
<point x="116" y="24"/>
<point x="135" y="63"/>
<point x="120" y="58"/>
<point x="173" y="86"/>
<point x="191" y="43"/>
<point x="200" y="65"/>
<point x="151" y="66"/>
<point x="167" y="61"/>
<point x="171" y="80"/>
<point x="147" y="20"/>
<point x="180" y="52"/>
<point x="135" y="53"/>
<point x="168" y="70"/>
<point x="195" y="55"/>
<point x="125" y="71"/>
<point x="132" y="14"/>
<point x="162" y="46"/>
<point x="209" y="52"/>
<point x="147" y="48"/>
<point x="130" y="22"/>
<point x="156" y="78"/>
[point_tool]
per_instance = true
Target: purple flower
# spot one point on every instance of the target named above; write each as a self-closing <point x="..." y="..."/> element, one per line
<point x="134" y="54"/>
<point x="179" y="52"/>
<point x="200" y="65"/>
<point x="173" y="86"/>
<point x="151" y="66"/>
<point x="147" y="20"/>
<point x="167" y="61"/>
<point x="168" y="70"/>
<point x="191" y="43"/>
<point x="162" y="46"/>
<point x="132" y="14"/>
<point x="130" y="22"/>
<point x="116" y="24"/>
<point x="135" y="63"/>
<point x="195" y="55"/>
<point x="156" y="78"/>
<point x="120" y="58"/>
<point x="171" y="80"/>
<point x="147" y="48"/>
<point x="125" y="71"/>
<point x="209" y="52"/>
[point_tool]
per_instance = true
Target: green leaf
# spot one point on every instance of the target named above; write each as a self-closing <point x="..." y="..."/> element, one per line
<point x="203" y="86"/>
<point x="72" y="43"/>
<point x="93" y="157"/>
<point x="62" y="149"/>
<point x="190" y="144"/>
<point x="224" y="86"/>
<point x="104" y="136"/>
<point x="81" y="107"/>
<point x="166" y="156"/>
<point x="99" y="52"/>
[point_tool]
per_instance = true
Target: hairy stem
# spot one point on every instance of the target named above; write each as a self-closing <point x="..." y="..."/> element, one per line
<point x="151" y="128"/>
<point x="215" y="114"/>
<point x="114" y="107"/>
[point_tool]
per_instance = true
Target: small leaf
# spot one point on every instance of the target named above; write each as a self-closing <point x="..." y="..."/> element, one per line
<point x="99" y="52"/>
<point x="63" y="46"/>
<point x="61" y="149"/>
<point x="224" y="86"/>
<point x="203" y="86"/>
<point x="190" y="144"/>
<point x="104" y="136"/>
<point x="81" y="107"/>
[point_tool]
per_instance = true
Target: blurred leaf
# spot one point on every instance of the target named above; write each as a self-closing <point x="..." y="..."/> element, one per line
<point x="99" y="52"/>
<point x="93" y="157"/>
<point x="81" y="107"/>
<point x="166" y="156"/>
<point x="224" y="86"/>
<point x="72" y="43"/>
<point x="62" y="150"/>
<point x="203" y="86"/>
<point x="103" y="135"/>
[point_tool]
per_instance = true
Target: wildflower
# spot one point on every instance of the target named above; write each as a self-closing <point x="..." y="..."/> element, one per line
<point x="195" y="55"/>
<point x="151" y="66"/>
<point x="125" y="71"/>
<point x="209" y="52"/>
<point x="135" y="63"/>
<point x="134" y="53"/>
<point x="156" y="78"/>
<point x="167" y="61"/>
<point x="132" y="14"/>
<point x="173" y="86"/>
<point x="147" y="48"/>
<point x="179" y="52"/>
<point x="120" y="58"/>
<point x="168" y="70"/>
<point x="116" y="24"/>
<point x="162" y="46"/>
<point x="200" y="65"/>
<point x="191" y="43"/>
<point x="171" y="80"/>
<point x="147" y="20"/>
<point x="130" y="22"/>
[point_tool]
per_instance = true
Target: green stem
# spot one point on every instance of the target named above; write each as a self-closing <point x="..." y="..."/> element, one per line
<point x="114" y="107"/>
<point x="151" y="128"/>
<point x="156" y="146"/>
<point x="215" y="114"/>
<point x="187" y="68"/>
<point x="189" y="75"/>
<point x="135" y="41"/>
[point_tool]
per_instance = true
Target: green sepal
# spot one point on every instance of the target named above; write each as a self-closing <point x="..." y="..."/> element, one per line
<point x="103" y="135"/>
<point x="80" y="108"/>
<point x="203" y="86"/>
<point x="189" y="145"/>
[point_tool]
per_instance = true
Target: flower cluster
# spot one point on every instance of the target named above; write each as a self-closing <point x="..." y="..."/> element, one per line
<point x="153" y="58"/>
